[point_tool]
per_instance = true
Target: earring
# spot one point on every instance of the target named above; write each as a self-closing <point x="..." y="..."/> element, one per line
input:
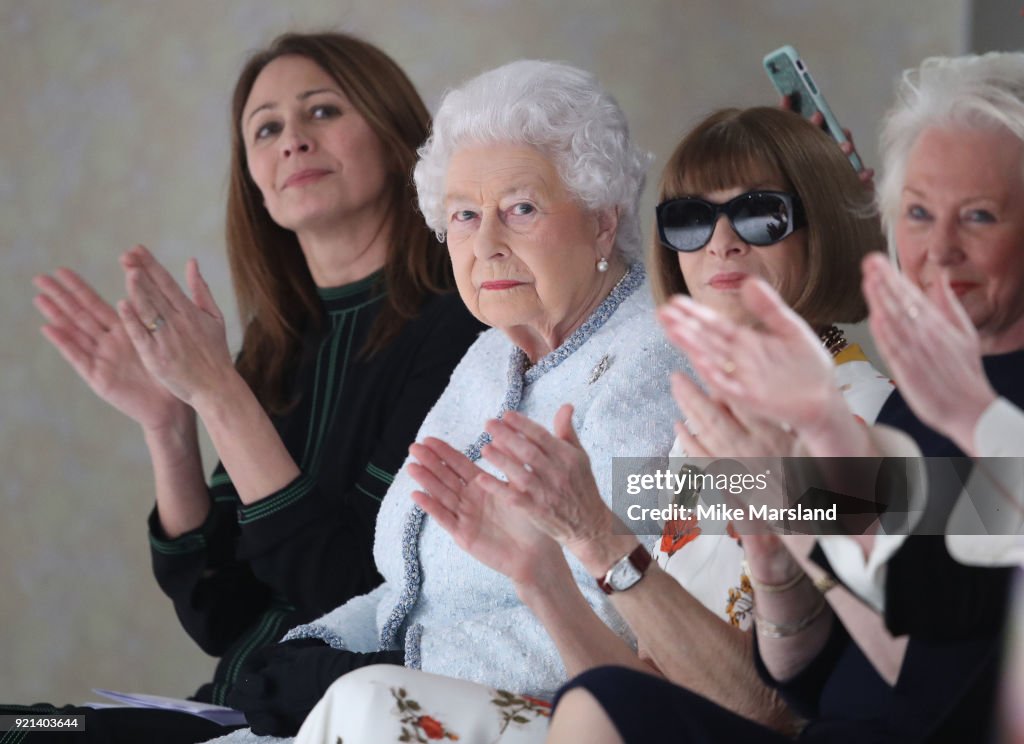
<point x="602" y="265"/>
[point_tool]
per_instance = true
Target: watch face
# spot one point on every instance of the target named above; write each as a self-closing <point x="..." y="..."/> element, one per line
<point x="623" y="575"/>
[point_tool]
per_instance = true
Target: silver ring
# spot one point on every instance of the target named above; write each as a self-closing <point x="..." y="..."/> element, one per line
<point x="154" y="325"/>
<point x="913" y="311"/>
<point x="527" y="467"/>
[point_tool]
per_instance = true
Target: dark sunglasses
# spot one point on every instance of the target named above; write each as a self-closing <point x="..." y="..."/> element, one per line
<point x="686" y="224"/>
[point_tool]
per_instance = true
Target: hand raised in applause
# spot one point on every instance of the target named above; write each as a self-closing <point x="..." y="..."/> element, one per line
<point x="181" y="341"/>
<point x="932" y="349"/>
<point x="779" y="371"/>
<point x="88" y="333"/>
<point x="488" y="528"/>
<point x="713" y="428"/>
<point x="549" y="477"/>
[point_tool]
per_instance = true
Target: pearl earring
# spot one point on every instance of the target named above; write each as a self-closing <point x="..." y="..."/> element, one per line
<point x="602" y="265"/>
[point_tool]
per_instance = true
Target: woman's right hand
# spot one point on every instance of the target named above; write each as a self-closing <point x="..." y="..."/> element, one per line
<point x="89" y="335"/>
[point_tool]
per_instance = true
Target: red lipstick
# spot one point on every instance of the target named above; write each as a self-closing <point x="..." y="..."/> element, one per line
<point x="962" y="288"/>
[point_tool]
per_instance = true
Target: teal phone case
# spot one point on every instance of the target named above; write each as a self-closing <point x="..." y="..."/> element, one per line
<point x="791" y="77"/>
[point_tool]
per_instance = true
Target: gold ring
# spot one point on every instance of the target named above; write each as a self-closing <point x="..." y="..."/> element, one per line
<point x="824" y="583"/>
<point x="154" y="325"/>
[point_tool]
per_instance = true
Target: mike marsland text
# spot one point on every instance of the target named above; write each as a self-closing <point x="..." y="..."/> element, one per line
<point x="721" y="512"/>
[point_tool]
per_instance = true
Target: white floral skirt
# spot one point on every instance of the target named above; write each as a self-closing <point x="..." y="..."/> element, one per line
<point x="385" y="703"/>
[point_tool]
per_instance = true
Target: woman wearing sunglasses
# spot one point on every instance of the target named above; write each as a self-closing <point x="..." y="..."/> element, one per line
<point x="755" y="192"/>
<point x="951" y="197"/>
<point x="748" y="193"/>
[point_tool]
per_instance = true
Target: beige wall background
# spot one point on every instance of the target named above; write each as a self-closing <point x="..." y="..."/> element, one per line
<point x="114" y="130"/>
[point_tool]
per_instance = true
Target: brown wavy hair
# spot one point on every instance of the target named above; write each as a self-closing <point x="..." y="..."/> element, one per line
<point x="733" y="147"/>
<point x="276" y="295"/>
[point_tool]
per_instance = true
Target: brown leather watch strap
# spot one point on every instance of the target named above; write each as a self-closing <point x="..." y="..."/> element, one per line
<point x="639" y="557"/>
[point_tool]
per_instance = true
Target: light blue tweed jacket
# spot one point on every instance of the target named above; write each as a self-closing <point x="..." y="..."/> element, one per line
<point x="451" y="614"/>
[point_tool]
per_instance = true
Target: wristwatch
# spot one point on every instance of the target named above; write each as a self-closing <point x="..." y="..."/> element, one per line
<point x="626" y="571"/>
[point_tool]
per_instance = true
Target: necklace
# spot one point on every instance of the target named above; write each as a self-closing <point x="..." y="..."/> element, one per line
<point x="833" y="340"/>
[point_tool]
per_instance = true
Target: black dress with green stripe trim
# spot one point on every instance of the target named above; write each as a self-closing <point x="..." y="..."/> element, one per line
<point x="253" y="571"/>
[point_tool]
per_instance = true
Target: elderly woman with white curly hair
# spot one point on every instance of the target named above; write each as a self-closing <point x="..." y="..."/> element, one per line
<point x="531" y="174"/>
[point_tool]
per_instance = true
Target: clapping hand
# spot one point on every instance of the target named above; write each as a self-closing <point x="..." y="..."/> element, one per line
<point x="716" y="429"/>
<point x="549" y="477"/>
<point x="488" y="528"/>
<point x="931" y="347"/>
<point x="779" y="371"/>
<point x="181" y="341"/>
<point x="88" y="333"/>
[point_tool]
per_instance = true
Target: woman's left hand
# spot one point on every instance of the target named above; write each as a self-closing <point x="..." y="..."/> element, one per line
<point x="715" y="429"/>
<point x="932" y="349"/>
<point x="779" y="372"/>
<point x="495" y="533"/>
<point x="775" y="558"/>
<point x="549" y="477"/>
<point x="181" y="341"/>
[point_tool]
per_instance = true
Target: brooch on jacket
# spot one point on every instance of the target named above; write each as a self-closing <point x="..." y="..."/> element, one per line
<point x="599" y="369"/>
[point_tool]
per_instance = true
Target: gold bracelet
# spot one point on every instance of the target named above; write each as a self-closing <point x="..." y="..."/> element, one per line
<point x="773" y="588"/>
<point x="769" y="629"/>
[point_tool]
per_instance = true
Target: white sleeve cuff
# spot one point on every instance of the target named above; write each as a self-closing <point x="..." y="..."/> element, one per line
<point x="1000" y="430"/>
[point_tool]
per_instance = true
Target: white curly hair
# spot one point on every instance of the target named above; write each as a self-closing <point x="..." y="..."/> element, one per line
<point x="558" y="109"/>
<point x="972" y="91"/>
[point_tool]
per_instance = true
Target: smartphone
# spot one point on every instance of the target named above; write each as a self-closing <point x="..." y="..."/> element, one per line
<point x="791" y="77"/>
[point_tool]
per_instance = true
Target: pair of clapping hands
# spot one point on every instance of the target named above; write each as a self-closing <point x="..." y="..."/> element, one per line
<point x="516" y="526"/>
<point x="156" y="352"/>
<point x="771" y="383"/>
<point x="771" y="387"/>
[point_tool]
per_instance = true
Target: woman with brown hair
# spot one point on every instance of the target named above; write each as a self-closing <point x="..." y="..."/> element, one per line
<point x="350" y="336"/>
